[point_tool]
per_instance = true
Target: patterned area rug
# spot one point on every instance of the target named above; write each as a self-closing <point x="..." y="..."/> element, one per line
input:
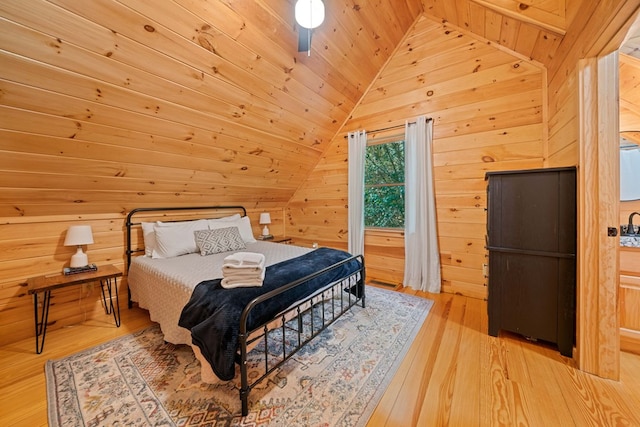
<point x="337" y="379"/>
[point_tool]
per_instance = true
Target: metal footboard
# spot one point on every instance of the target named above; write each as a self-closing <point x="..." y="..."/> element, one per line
<point x="287" y="333"/>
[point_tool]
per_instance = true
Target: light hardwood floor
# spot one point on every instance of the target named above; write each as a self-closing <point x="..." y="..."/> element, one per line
<point x="454" y="374"/>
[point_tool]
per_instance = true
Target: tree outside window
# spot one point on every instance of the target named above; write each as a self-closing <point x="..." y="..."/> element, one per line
<point x="384" y="185"/>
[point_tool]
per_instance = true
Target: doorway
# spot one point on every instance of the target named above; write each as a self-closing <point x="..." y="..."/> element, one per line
<point x="598" y="338"/>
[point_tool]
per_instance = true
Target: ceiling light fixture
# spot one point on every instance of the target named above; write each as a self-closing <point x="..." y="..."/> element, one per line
<point x="309" y="15"/>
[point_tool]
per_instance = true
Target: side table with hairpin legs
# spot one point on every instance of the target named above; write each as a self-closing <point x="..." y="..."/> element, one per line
<point x="106" y="275"/>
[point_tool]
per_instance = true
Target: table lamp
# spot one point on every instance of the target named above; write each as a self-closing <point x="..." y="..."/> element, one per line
<point x="78" y="235"/>
<point x="265" y="218"/>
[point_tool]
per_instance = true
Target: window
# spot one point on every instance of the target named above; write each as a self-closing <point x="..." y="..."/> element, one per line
<point x="384" y="183"/>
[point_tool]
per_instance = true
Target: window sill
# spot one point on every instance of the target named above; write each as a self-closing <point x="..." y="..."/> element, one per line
<point x="384" y="232"/>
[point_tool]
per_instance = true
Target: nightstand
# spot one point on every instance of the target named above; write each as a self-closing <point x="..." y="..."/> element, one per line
<point x="275" y="239"/>
<point x="283" y="240"/>
<point x="107" y="276"/>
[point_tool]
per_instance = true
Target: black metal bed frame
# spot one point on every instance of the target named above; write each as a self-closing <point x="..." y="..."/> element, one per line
<point x="294" y="327"/>
<point x="129" y="224"/>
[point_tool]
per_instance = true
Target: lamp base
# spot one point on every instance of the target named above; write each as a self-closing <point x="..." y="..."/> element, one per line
<point x="79" y="259"/>
<point x="265" y="231"/>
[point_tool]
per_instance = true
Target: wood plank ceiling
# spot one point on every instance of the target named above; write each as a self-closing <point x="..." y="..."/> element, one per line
<point x="630" y="88"/>
<point x="112" y="104"/>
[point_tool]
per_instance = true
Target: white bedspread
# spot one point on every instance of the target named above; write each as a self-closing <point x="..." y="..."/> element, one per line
<point x="164" y="286"/>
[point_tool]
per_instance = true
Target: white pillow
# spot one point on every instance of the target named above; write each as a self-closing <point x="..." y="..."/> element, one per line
<point x="174" y="239"/>
<point x="243" y="224"/>
<point x="149" y="237"/>
<point x="233" y="217"/>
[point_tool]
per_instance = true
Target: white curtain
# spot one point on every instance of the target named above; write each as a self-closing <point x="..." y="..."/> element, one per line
<point x="357" y="152"/>
<point x="422" y="257"/>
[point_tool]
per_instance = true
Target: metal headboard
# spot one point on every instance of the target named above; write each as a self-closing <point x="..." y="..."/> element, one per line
<point x="133" y="212"/>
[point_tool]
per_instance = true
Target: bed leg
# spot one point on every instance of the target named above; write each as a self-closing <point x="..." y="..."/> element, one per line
<point x="244" y="377"/>
<point x="244" y="397"/>
<point x="300" y="325"/>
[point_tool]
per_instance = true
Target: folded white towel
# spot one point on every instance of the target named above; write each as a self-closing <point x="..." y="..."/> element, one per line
<point x="233" y="269"/>
<point x="243" y="259"/>
<point x="257" y="273"/>
<point x="242" y="281"/>
<point x="240" y="284"/>
<point x="243" y="269"/>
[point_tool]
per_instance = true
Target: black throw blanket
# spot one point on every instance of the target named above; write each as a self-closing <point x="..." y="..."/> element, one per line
<point x="213" y="313"/>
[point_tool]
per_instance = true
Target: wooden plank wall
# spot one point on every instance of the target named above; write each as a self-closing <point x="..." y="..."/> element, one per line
<point x="629" y="89"/>
<point x="594" y="25"/>
<point x="111" y="105"/>
<point x="489" y="114"/>
<point x="628" y="207"/>
<point x="32" y="246"/>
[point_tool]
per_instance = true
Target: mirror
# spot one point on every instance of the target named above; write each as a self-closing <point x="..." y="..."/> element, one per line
<point x="629" y="165"/>
<point x="629" y="116"/>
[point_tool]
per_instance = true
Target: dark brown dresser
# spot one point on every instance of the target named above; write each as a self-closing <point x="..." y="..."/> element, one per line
<point x="531" y="239"/>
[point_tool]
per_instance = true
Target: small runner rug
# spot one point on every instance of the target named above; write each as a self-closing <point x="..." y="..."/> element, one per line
<point x="336" y="379"/>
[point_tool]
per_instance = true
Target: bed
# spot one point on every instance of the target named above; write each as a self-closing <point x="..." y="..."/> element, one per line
<point x="179" y="283"/>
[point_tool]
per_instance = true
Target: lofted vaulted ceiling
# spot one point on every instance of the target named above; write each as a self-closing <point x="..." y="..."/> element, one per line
<point x="111" y="104"/>
<point x="531" y="28"/>
<point x="629" y="88"/>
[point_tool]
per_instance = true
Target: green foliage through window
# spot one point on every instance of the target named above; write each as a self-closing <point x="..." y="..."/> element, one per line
<point x="384" y="185"/>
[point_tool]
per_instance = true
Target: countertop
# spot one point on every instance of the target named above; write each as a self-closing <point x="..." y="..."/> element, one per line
<point x="630" y="241"/>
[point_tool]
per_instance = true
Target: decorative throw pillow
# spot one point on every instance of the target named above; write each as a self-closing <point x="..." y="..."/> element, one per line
<point x="219" y="240"/>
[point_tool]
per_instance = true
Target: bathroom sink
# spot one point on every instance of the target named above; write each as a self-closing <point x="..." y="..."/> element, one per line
<point x="630" y="233"/>
<point x="625" y="231"/>
<point x="630" y="240"/>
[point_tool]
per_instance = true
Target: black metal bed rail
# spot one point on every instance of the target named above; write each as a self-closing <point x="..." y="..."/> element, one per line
<point x="299" y="332"/>
<point x="344" y="287"/>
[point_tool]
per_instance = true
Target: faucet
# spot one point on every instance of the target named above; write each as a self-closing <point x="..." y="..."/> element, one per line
<point x="630" y="229"/>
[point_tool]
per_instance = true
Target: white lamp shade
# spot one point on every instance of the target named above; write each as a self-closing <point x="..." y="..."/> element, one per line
<point x="265" y="218"/>
<point x="79" y="235"/>
<point x="309" y="13"/>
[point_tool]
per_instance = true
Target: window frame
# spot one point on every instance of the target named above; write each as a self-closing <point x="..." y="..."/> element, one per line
<point x="376" y="139"/>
